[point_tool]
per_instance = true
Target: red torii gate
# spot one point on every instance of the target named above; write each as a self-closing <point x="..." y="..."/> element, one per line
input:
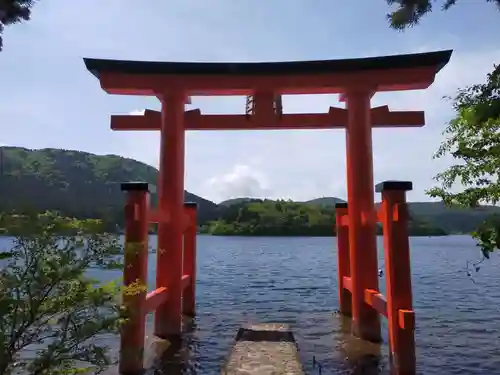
<point x="356" y="80"/>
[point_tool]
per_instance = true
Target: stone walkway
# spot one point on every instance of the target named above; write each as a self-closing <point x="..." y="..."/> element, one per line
<point x="264" y="349"/>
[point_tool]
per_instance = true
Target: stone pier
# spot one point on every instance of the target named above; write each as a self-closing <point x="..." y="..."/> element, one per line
<point x="264" y="349"/>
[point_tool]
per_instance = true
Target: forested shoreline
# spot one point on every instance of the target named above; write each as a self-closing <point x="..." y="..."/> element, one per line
<point x="87" y="186"/>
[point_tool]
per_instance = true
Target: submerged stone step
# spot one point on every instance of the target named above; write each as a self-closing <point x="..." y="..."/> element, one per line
<point x="264" y="349"/>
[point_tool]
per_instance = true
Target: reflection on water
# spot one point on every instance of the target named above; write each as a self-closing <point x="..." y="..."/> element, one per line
<point x="174" y="356"/>
<point x="357" y="356"/>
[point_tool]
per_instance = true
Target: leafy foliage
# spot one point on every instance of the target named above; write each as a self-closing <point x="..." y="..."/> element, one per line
<point x="326" y="201"/>
<point x="287" y="218"/>
<point x="473" y="139"/>
<point x="77" y="184"/>
<point x="452" y="220"/>
<point x="14" y="11"/>
<point x="409" y="12"/>
<point x="84" y="185"/>
<point x="51" y="312"/>
<point x="274" y="218"/>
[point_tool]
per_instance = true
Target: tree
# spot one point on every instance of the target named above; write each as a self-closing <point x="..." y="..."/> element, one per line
<point x="76" y="184"/>
<point x="287" y="218"/>
<point x="14" y="11"/>
<point x="409" y="12"/>
<point x="51" y="313"/>
<point x="473" y="139"/>
<point x="472" y="136"/>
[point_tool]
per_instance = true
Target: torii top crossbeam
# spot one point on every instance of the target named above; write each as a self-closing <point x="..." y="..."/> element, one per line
<point x="387" y="73"/>
<point x="266" y="81"/>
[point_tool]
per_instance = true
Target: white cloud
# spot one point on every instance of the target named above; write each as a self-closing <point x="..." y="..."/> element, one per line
<point x="242" y="181"/>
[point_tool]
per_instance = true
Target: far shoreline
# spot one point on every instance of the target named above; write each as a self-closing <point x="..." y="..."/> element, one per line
<point x="319" y="236"/>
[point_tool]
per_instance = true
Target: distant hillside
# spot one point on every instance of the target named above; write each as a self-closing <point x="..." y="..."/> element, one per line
<point x="81" y="184"/>
<point x="431" y="214"/>
<point x="325" y="201"/>
<point x="76" y="183"/>
<point x="450" y="219"/>
<point x="230" y="202"/>
<point x="254" y="217"/>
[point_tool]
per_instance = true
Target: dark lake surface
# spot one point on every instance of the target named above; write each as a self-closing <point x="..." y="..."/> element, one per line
<point x="294" y="280"/>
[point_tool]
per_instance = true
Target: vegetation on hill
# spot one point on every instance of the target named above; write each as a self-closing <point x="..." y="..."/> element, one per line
<point x="326" y="201"/>
<point x="451" y="219"/>
<point x="230" y="202"/>
<point x="254" y="217"/>
<point x="75" y="183"/>
<point x="83" y="185"/>
<point x="421" y="227"/>
<point x="272" y="218"/>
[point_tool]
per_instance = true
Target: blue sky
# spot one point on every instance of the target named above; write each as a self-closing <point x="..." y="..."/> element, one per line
<point x="48" y="99"/>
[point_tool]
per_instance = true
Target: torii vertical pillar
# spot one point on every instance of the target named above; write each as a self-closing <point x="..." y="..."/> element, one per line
<point x="168" y="317"/>
<point x="362" y="225"/>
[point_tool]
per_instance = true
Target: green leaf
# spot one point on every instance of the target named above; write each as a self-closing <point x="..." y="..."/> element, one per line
<point x="46" y="298"/>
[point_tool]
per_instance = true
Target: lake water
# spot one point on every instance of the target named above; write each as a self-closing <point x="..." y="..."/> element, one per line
<point x="294" y="280"/>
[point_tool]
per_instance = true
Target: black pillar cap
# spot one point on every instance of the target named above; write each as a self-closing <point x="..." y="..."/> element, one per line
<point x="341" y="205"/>
<point x="135" y="186"/>
<point x="190" y="204"/>
<point x="394" y="186"/>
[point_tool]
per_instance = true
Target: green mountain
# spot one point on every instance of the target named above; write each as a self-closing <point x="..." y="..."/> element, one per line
<point x="75" y="183"/>
<point x="257" y="217"/>
<point x="450" y="219"/>
<point x="233" y="201"/>
<point x="85" y="185"/>
<point x="326" y="201"/>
